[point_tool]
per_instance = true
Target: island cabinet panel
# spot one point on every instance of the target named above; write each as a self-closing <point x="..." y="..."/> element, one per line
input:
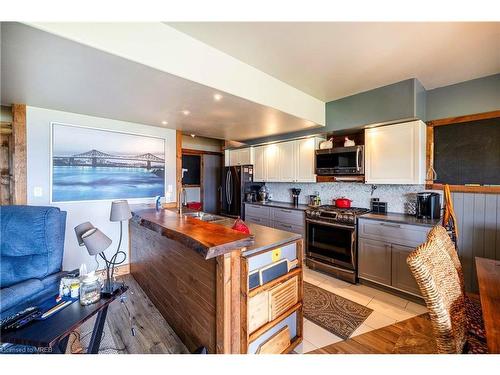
<point x="273" y="310"/>
<point x="179" y="282"/>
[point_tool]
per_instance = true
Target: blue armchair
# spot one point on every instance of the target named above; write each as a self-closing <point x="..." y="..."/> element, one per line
<point x="31" y="249"/>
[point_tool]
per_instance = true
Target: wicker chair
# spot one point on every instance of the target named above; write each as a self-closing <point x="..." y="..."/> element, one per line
<point x="442" y="289"/>
<point x="475" y="323"/>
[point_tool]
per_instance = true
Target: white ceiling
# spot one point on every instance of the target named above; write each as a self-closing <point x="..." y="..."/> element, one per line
<point x="44" y="70"/>
<point x="333" y="60"/>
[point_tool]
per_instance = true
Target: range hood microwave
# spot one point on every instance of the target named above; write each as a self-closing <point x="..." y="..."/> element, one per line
<point x="340" y="161"/>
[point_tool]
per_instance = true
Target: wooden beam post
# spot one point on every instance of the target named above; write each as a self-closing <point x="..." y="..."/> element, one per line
<point x="178" y="158"/>
<point x="19" y="164"/>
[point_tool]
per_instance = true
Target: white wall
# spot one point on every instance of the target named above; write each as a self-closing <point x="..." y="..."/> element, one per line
<point x="202" y="143"/>
<point x="38" y="152"/>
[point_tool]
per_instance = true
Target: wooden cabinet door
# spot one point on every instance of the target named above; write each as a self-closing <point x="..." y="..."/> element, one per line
<point x="402" y="278"/>
<point x="271" y="160"/>
<point x="259" y="166"/>
<point x="305" y="160"/>
<point x="374" y="261"/>
<point x="395" y="154"/>
<point x="286" y="161"/>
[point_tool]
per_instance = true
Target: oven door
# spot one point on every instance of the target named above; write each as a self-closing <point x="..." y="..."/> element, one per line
<point x="331" y="243"/>
<point x="340" y="161"/>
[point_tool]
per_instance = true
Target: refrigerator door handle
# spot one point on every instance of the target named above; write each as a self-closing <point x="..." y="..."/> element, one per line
<point x="227" y="186"/>
<point x="230" y="188"/>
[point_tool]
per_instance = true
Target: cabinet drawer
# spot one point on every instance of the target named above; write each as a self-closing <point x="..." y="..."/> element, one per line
<point x="289" y="227"/>
<point x="411" y="235"/>
<point x="257" y="220"/>
<point x="288" y="216"/>
<point x="255" y="210"/>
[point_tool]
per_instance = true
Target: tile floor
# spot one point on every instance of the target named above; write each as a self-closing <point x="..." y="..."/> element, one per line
<point x="387" y="309"/>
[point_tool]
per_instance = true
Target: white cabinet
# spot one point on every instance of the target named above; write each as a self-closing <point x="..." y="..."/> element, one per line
<point x="227" y="161"/>
<point x="241" y="156"/>
<point x="287" y="161"/>
<point x="395" y="154"/>
<point x="291" y="161"/>
<point x="272" y="159"/>
<point x="305" y="159"/>
<point x="259" y="167"/>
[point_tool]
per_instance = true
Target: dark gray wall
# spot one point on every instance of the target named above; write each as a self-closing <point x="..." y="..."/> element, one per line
<point x="383" y="104"/>
<point x="465" y="98"/>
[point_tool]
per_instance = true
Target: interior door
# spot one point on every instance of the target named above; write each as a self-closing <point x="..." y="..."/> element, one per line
<point x="211" y="183"/>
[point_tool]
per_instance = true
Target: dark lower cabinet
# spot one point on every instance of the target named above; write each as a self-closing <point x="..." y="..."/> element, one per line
<point x="385" y="263"/>
<point x="401" y="274"/>
<point x="374" y="261"/>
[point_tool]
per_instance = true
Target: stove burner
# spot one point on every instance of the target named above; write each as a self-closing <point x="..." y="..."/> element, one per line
<point x="331" y="213"/>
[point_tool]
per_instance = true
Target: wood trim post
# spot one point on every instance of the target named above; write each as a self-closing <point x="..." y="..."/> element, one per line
<point x="19" y="163"/>
<point x="178" y="165"/>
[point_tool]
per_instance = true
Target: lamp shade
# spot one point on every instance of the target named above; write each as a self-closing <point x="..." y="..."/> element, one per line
<point x="81" y="229"/>
<point x="120" y="211"/>
<point x="95" y="241"/>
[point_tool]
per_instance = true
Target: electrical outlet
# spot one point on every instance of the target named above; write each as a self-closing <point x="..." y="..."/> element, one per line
<point x="37" y="191"/>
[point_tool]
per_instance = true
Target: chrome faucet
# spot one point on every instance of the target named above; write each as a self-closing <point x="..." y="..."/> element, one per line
<point x="181" y="200"/>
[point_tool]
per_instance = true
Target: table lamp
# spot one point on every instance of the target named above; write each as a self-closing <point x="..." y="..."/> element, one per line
<point x="97" y="242"/>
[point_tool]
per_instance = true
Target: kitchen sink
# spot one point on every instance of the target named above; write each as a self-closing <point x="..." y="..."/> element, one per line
<point x="203" y="216"/>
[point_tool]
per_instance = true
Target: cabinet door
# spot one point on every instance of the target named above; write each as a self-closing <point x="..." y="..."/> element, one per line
<point x="287" y="161"/>
<point x="402" y="278"/>
<point x="271" y="159"/>
<point x="395" y="154"/>
<point x="245" y="156"/>
<point x="234" y="157"/>
<point x="259" y="167"/>
<point x="374" y="261"/>
<point x="305" y="160"/>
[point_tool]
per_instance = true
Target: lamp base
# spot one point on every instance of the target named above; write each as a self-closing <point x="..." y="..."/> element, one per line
<point x="110" y="289"/>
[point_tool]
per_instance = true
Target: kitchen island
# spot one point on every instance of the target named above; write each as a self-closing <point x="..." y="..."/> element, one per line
<point x="218" y="288"/>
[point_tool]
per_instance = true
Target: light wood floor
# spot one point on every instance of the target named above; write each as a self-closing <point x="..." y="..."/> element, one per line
<point x="153" y="334"/>
<point x="411" y="336"/>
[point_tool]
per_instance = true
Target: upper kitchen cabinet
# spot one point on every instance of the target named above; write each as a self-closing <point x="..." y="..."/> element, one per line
<point x="395" y="154"/>
<point x="403" y="100"/>
<point x="241" y="156"/>
<point x="291" y="161"/>
<point x="305" y="159"/>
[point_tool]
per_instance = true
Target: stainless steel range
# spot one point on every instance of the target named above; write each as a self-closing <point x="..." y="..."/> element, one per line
<point x="331" y="240"/>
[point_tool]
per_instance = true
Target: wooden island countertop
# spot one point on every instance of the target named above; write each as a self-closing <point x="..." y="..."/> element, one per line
<point x="208" y="239"/>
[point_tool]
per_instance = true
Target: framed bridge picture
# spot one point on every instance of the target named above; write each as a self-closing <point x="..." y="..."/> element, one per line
<point x="95" y="164"/>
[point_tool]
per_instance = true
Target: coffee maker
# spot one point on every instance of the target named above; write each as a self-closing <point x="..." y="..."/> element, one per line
<point x="428" y="205"/>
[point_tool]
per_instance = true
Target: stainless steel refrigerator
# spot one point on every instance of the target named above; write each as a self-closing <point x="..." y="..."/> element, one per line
<point x="235" y="182"/>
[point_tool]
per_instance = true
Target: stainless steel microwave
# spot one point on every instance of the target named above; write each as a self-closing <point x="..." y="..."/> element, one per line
<point x="340" y="161"/>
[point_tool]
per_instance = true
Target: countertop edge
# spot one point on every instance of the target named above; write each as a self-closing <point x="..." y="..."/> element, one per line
<point x="396" y="217"/>
<point x="188" y="241"/>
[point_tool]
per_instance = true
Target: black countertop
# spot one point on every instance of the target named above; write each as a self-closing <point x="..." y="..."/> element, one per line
<point x="288" y="205"/>
<point x="401" y="218"/>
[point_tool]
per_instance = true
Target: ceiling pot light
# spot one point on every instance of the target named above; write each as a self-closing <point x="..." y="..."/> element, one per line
<point x="185" y="112"/>
<point x="164" y="122"/>
<point x="217" y="97"/>
<point x="193" y="135"/>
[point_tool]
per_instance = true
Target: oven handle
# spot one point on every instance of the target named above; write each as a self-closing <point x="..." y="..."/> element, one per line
<point x="330" y="224"/>
<point x="358" y="167"/>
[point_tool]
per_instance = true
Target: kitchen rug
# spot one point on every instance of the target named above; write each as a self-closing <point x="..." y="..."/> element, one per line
<point x="334" y="313"/>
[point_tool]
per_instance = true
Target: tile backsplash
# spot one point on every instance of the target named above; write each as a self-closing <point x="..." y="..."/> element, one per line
<point x="396" y="196"/>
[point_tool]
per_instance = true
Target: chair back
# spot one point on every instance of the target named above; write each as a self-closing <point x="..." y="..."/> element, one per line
<point x="441" y="236"/>
<point x="436" y="275"/>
